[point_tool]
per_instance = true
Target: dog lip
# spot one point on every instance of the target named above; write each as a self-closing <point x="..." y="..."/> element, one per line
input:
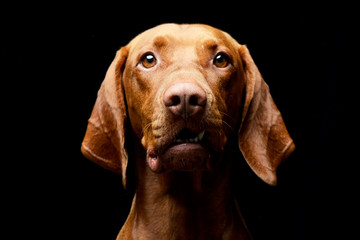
<point x="182" y="147"/>
<point x="153" y="161"/>
<point x="186" y="151"/>
<point x="185" y="157"/>
<point x="185" y="140"/>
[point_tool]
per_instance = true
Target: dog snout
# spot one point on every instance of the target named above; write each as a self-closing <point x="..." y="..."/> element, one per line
<point x="185" y="99"/>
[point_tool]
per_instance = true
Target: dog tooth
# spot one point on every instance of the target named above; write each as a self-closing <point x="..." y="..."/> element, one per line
<point x="191" y="140"/>
<point x="196" y="139"/>
<point x="201" y="135"/>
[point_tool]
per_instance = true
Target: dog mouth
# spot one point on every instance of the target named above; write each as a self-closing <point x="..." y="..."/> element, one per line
<point x="187" y="151"/>
<point x="186" y="136"/>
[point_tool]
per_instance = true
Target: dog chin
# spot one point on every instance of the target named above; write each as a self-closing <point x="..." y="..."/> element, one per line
<point x="180" y="157"/>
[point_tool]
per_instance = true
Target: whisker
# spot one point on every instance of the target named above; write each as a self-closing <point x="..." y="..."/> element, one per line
<point x="221" y="122"/>
<point x="147" y="126"/>
<point x="228" y="116"/>
<point x="228" y="125"/>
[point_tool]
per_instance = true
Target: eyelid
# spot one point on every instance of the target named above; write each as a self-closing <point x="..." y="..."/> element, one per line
<point x="142" y="56"/>
<point x="224" y="52"/>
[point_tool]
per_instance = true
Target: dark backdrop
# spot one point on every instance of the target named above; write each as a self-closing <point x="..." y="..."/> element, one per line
<point x="57" y="59"/>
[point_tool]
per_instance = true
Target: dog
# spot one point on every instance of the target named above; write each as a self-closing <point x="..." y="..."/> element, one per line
<point x="179" y="102"/>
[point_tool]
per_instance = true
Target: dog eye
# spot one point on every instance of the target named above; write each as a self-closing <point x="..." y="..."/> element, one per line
<point x="221" y="60"/>
<point x="148" y="60"/>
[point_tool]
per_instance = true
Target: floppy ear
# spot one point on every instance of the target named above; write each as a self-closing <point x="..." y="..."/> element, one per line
<point x="104" y="141"/>
<point x="263" y="138"/>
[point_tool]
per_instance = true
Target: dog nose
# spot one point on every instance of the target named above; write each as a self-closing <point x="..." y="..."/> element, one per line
<point x="185" y="99"/>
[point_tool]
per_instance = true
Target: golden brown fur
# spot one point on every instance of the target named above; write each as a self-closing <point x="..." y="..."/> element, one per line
<point x="187" y="197"/>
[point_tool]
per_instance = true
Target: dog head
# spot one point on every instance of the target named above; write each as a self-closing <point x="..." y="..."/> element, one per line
<point x="185" y="89"/>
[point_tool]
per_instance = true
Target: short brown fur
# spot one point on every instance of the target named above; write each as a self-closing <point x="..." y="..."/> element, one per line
<point x="239" y="113"/>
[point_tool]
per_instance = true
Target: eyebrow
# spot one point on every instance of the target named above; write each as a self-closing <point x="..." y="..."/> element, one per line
<point x="210" y="44"/>
<point x="160" y="42"/>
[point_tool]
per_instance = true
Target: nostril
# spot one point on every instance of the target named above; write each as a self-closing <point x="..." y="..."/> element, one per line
<point x="197" y="100"/>
<point x="171" y="99"/>
<point x="174" y="100"/>
<point x="193" y="100"/>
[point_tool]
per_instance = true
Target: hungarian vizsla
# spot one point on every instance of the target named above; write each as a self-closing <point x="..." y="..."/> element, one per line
<point x="179" y="102"/>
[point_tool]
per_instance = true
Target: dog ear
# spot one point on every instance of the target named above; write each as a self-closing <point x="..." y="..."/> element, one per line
<point x="263" y="138"/>
<point x="104" y="141"/>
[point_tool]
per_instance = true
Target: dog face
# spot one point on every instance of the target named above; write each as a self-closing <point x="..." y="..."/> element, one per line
<point x="185" y="89"/>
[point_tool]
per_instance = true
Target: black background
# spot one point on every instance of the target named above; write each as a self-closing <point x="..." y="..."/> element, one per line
<point x="56" y="59"/>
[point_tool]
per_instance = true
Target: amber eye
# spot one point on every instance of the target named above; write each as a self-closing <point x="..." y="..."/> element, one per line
<point x="148" y="60"/>
<point x="221" y="60"/>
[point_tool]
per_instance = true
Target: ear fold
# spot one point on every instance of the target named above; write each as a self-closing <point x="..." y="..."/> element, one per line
<point x="104" y="141"/>
<point x="263" y="138"/>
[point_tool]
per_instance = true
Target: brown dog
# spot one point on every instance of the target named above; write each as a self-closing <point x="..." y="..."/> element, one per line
<point x="180" y="101"/>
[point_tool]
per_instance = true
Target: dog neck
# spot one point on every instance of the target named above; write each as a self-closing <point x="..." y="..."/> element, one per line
<point x="184" y="205"/>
